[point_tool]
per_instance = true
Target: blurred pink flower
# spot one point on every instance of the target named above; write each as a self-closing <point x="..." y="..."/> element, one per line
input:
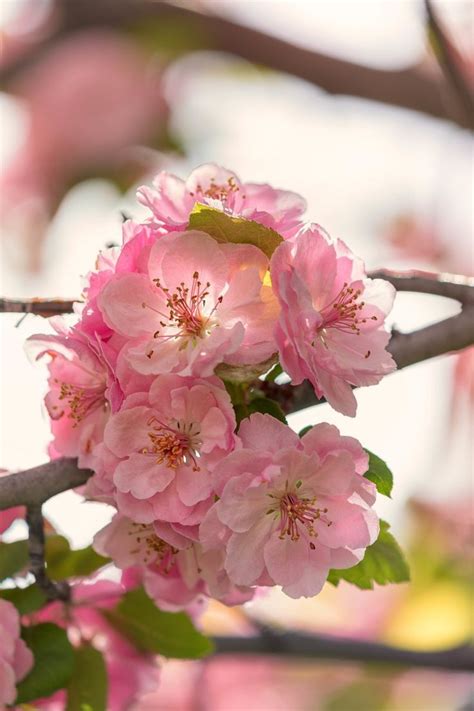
<point x="80" y="119"/>
<point x="130" y="672"/>
<point x="331" y="326"/>
<point x="16" y="659"/>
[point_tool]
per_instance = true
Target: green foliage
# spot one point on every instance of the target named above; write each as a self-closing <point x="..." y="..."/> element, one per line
<point x="62" y="562"/>
<point x="224" y="228"/>
<point x="383" y="563"/>
<point x="54" y="662"/>
<point x="302" y="432"/>
<point x="380" y="474"/>
<point x="13" y="558"/>
<point x="368" y="694"/>
<point x="273" y="374"/>
<point x="26" y="600"/>
<point x="87" y="689"/>
<point x="152" y="630"/>
<point x="266" y="406"/>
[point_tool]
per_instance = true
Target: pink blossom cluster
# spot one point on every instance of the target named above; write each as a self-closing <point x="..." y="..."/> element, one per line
<point x="204" y="508"/>
<point x="16" y="659"/>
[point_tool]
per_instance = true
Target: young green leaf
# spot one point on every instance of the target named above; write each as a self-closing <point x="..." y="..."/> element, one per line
<point x="273" y="374"/>
<point x="65" y="563"/>
<point x="152" y="630"/>
<point x="87" y="689"/>
<point x="380" y="474"/>
<point x="26" y="600"/>
<point x="224" y="228"/>
<point x="383" y="563"/>
<point x="267" y="407"/>
<point x="54" y="662"/>
<point x="13" y="558"/>
<point x="302" y="432"/>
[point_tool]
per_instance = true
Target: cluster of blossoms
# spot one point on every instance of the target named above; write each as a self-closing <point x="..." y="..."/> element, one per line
<point x="137" y="392"/>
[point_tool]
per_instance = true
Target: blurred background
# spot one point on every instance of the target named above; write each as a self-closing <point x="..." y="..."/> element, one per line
<point x="350" y="103"/>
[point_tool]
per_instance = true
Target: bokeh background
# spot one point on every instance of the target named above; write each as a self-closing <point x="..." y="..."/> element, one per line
<point x="95" y="97"/>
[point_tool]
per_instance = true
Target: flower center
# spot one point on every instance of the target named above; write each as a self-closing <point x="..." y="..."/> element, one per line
<point x="294" y="512"/>
<point x="217" y="192"/>
<point x="186" y="317"/>
<point x="82" y="400"/>
<point x="176" y="445"/>
<point x="153" y="548"/>
<point x="345" y="312"/>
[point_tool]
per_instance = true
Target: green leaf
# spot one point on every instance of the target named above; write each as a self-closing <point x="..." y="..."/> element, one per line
<point x="54" y="662"/>
<point x="369" y="694"/>
<point x="274" y="373"/>
<point x="152" y="630"/>
<point x="266" y="406"/>
<point x="302" y="432"/>
<point x="383" y="563"/>
<point x="380" y="474"/>
<point x="224" y="228"/>
<point x="62" y="562"/>
<point x="13" y="558"/>
<point x="87" y="689"/>
<point x="26" y="600"/>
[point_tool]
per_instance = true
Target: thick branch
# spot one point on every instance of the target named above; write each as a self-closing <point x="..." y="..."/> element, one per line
<point x="299" y="645"/>
<point x="53" y="591"/>
<point x="452" y="286"/>
<point x="413" y="88"/>
<point x="34" y="486"/>
<point x="448" y="59"/>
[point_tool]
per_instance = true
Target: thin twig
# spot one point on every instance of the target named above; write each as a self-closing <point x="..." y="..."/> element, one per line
<point x="415" y="88"/>
<point x="447" y="58"/>
<point x="452" y="286"/>
<point x="39" y="307"/>
<point x="36" y="542"/>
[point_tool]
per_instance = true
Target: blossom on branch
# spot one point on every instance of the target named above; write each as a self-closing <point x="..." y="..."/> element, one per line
<point x="331" y="326"/>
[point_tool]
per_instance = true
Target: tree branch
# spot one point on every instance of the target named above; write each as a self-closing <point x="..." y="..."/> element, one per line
<point x="33" y="487"/>
<point x="447" y="57"/>
<point x="414" y="88"/>
<point x="53" y="591"/>
<point x="297" y="645"/>
<point x="39" y="307"/>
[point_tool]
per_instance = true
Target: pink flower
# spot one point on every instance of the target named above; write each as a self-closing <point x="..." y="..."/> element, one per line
<point x="83" y="388"/>
<point x="16" y="660"/>
<point x="166" y="442"/>
<point x="171" y="199"/>
<point x="130" y="672"/>
<point x="201" y="303"/>
<point x="331" y="326"/>
<point x="295" y="508"/>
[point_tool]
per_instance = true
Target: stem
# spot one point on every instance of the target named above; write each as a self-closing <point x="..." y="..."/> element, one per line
<point x="36" y="541"/>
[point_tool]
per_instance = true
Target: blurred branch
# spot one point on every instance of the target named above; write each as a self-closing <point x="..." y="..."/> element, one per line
<point x="299" y="645"/>
<point x="53" y="591"/>
<point x="448" y="58"/>
<point x="415" y="88"/>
